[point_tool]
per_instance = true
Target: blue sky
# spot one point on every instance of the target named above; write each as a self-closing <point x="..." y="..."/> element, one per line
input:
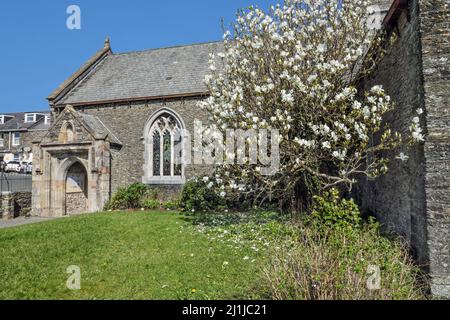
<point x="38" y="51"/>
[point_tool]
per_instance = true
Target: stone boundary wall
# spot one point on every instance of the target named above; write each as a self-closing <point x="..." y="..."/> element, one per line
<point x="435" y="52"/>
<point x="413" y="199"/>
<point x="14" y="204"/>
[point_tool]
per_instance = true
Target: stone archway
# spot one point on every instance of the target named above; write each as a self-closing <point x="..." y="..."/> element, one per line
<point x="76" y="186"/>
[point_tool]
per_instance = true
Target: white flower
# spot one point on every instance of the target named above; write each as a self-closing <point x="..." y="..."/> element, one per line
<point x="321" y="48"/>
<point x="419" y="111"/>
<point x="326" y="145"/>
<point x="205" y="179"/>
<point x="377" y="90"/>
<point x="339" y="154"/>
<point x="226" y="34"/>
<point x="287" y="97"/>
<point x="325" y="129"/>
<point x="306" y="143"/>
<point x="366" y="112"/>
<point x="223" y="194"/>
<point x="257" y="45"/>
<point x="312" y="77"/>
<point x="402" y="157"/>
<point x="357" y="105"/>
<point x="416" y="131"/>
<point x="418" y="136"/>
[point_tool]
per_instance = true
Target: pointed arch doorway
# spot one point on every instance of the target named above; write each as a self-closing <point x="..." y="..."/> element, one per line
<point x="76" y="195"/>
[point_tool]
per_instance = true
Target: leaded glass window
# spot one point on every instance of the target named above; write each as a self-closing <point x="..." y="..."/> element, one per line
<point x="166" y="152"/>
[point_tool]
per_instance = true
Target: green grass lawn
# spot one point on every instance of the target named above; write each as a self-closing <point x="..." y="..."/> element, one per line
<point x="131" y="255"/>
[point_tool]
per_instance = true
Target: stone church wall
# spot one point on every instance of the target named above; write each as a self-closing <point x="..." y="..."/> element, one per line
<point x="127" y="122"/>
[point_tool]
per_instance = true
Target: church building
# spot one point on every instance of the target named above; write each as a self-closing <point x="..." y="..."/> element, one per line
<point x="117" y="122"/>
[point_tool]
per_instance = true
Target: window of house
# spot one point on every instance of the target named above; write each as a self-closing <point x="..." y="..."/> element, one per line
<point x="16" y="157"/>
<point x="30" y="117"/>
<point x="16" y="138"/>
<point x="2" y="140"/>
<point x="4" y="118"/>
<point x="47" y="119"/>
<point x="165" y="150"/>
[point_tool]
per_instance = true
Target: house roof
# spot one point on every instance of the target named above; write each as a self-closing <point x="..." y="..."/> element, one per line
<point x="17" y="121"/>
<point x="144" y="74"/>
<point x="82" y="72"/>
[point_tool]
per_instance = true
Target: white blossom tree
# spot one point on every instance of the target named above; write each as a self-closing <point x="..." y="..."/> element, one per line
<point x="297" y="68"/>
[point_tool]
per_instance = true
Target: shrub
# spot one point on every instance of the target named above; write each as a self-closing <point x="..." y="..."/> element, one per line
<point x="171" y="205"/>
<point x="196" y="196"/>
<point x="151" y="204"/>
<point x="331" y="211"/>
<point x="304" y="260"/>
<point x="335" y="255"/>
<point x="130" y="197"/>
<point x="339" y="264"/>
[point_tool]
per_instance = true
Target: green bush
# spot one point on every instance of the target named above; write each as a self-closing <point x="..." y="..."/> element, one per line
<point x="196" y="196"/>
<point x="138" y="196"/>
<point x="330" y="210"/>
<point x="151" y="204"/>
<point x="171" y="205"/>
<point x="329" y="263"/>
<point x="130" y="197"/>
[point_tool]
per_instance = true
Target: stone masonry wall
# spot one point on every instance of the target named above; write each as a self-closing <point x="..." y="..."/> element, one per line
<point x="14" y="204"/>
<point x="76" y="203"/>
<point x="413" y="199"/>
<point x="398" y="198"/>
<point x="435" y="40"/>
<point x="32" y="135"/>
<point x="127" y="122"/>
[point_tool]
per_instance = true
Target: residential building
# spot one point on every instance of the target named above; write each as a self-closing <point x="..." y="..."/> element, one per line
<point x="18" y="131"/>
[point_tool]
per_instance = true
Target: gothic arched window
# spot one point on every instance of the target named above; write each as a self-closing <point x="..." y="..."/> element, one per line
<point x="164" y="150"/>
<point x="70" y="137"/>
<point x="67" y="133"/>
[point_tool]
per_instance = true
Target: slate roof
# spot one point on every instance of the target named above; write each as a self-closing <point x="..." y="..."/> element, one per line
<point x="98" y="127"/>
<point x="17" y="123"/>
<point x="143" y="74"/>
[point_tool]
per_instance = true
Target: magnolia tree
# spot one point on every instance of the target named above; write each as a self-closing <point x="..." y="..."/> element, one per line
<point x="297" y="69"/>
